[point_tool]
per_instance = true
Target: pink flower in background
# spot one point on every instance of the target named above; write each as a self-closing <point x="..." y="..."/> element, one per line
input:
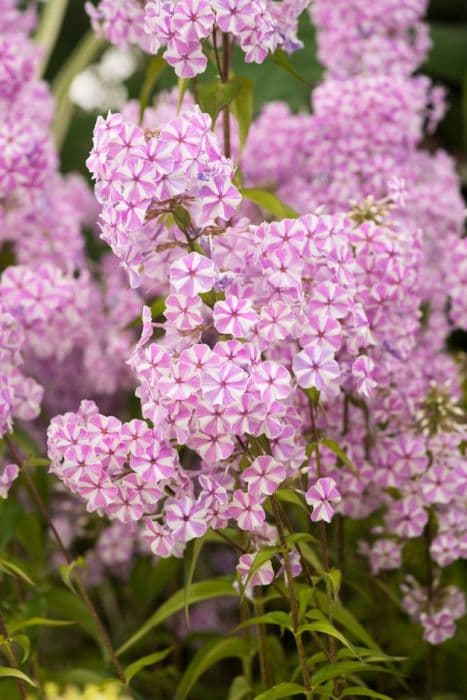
<point x="438" y="626"/>
<point x="8" y="475"/>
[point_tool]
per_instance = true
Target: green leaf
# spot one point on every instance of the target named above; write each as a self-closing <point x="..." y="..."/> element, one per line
<point x="281" y="690"/>
<point x="345" y="618"/>
<point x="215" y="95"/>
<point x="84" y="53"/>
<point x="6" y="672"/>
<point x="292" y="497"/>
<point x="183" y="84"/>
<point x="329" y="630"/>
<point x="448" y="56"/>
<point x="12" y="569"/>
<point x="203" y="590"/>
<point x="24" y="642"/>
<point x="191" y="558"/>
<point x="154" y="70"/>
<point x="158" y="307"/>
<point x="339" y="452"/>
<point x="66" y="571"/>
<point x="49" y="29"/>
<point x="207" y="656"/>
<point x="240" y="689"/>
<point x="149" y="660"/>
<point x="242" y="108"/>
<point x="10" y="514"/>
<point x="20" y="640"/>
<point x="38" y="622"/>
<point x="344" y="668"/>
<point x="182" y="218"/>
<point x="275" y="617"/>
<point x="269" y="202"/>
<point x="334" y="576"/>
<point x="365" y="692"/>
<point x="66" y="603"/>
<point x="312" y="558"/>
<point x="281" y="59"/>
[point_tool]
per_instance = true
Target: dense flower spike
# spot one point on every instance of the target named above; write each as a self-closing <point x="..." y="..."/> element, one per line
<point x="297" y="362"/>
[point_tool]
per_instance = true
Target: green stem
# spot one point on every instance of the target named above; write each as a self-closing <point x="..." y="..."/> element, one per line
<point x="225" y="78"/>
<point x="49" y="29"/>
<point x="262" y="643"/>
<point x="105" y="639"/>
<point x="323" y="533"/>
<point x="10" y="655"/>
<point x="430" y="652"/>
<point x="293" y="600"/>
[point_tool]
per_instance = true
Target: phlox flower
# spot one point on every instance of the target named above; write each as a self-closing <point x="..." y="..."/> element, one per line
<point x="225" y="385"/>
<point x="407" y="517"/>
<point x="322" y="496"/>
<point x="218" y="199"/>
<point x="186" y="518"/>
<point x="316" y="367"/>
<point x="276" y="322"/>
<point x="184" y="312"/>
<point x="323" y="331"/>
<point x="264" y="476"/>
<point x="363" y="374"/>
<point x="159" y="538"/>
<point x="186" y="57"/>
<point x="246" y="510"/>
<point x="438" y="626"/>
<point x="445" y="549"/>
<point x="191" y="274"/>
<point x="155" y="463"/>
<point x="272" y="381"/>
<point x="234" y="316"/>
<point x="127" y="505"/>
<point x="194" y="19"/>
<point x="97" y="490"/>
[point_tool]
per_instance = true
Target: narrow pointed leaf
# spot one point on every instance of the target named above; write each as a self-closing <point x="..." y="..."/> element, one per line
<point x="281" y="690"/>
<point x="329" y="630"/>
<point x="148" y="660"/>
<point x="6" y="672"/>
<point x="204" y="590"/>
<point x="209" y="655"/>
<point x="38" y="622"/>
<point x="11" y="569"/>
<point x="191" y="559"/>
<point x="269" y="202"/>
<point x="154" y="70"/>
<point x="363" y="692"/>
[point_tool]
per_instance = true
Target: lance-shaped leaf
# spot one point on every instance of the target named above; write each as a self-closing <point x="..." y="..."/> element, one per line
<point x="148" y="660"/>
<point x="281" y="690"/>
<point x="269" y="202"/>
<point x="204" y="590"/>
<point x="207" y="656"/>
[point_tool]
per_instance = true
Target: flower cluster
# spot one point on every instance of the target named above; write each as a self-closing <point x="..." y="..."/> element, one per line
<point x="356" y="37"/>
<point x="258" y="26"/>
<point x="141" y="175"/>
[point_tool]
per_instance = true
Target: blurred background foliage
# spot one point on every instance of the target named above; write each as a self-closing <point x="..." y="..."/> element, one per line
<point x="446" y="64"/>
